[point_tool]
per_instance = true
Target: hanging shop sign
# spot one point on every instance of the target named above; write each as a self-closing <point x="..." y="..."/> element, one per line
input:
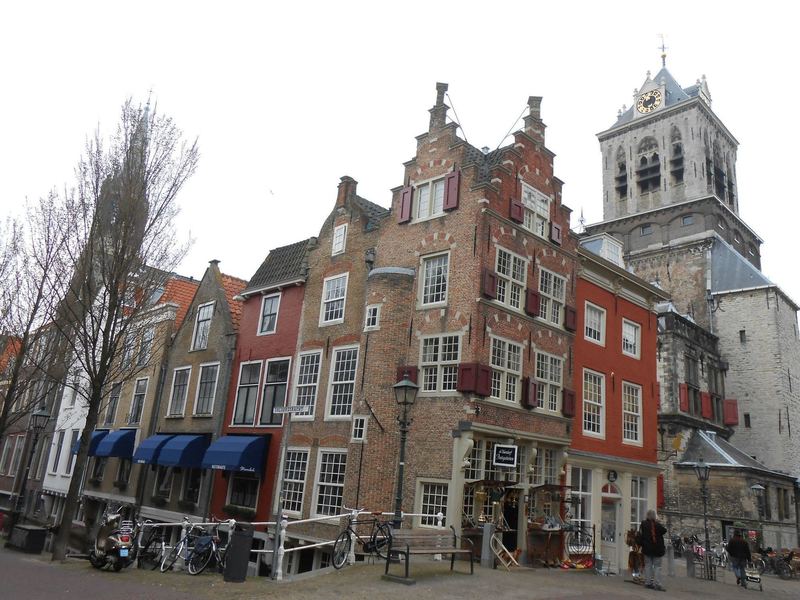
<point x="505" y="455"/>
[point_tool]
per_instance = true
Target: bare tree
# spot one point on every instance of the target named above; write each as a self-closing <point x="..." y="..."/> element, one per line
<point x="122" y="248"/>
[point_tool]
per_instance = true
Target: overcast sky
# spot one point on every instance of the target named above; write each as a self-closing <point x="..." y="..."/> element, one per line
<point x="285" y="98"/>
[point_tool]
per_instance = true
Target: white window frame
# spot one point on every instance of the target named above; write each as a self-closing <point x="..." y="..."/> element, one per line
<point x="42" y="456"/>
<point x="242" y="365"/>
<point x="195" y="339"/>
<point x="430" y="520"/>
<point x="358" y="432"/>
<point x="640" y="503"/>
<point x="536" y="215"/>
<point x="301" y="485"/>
<point x="587" y="327"/>
<point x="439" y="367"/>
<point x="58" y="447"/>
<point x="510" y="290"/>
<point x="318" y="470"/>
<point x="7" y="454"/>
<point x="545" y="466"/>
<point x="261" y="314"/>
<point x="372" y="312"/>
<point x="425" y="261"/>
<point x="187" y="473"/>
<point x="583" y="513"/>
<point x="286" y="396"/>
<point x="133" y="399"/>
<point x="548" y="300"/>
<point x="601" y="404"/>
<point x="145" y="350"/>
<point x="170" y="476"/>
<point x="629" y="415"/>
<point x="339" y="241"/>
<point x="110" y="415"/>
<point x="231" y="478"/>
<point x="16" y="457"/>
<point x="74" y="437"/>
<point x="638" y="342"/>
<point x="298" y="386"/>
<point x="170" y="411"/>
<point x="503" y="371"/>
<point x="432" y="211"/>
<point x="343" y="299"/>
<point x="200" y="369"/>
<point x="331" y="374"/>
<point x="549" y="387"/>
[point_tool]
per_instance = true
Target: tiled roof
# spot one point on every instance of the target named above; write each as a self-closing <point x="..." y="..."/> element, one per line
<point x="10" y="347"/>
<point x="233" y="286"/>
<point x="484" y="162"/>
<point x="180" y="290"/>
<point x="286" y="263"/>
<point x="373" y="212"/>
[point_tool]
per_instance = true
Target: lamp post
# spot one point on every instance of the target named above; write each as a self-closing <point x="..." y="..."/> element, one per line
<point x="36" y="424"/>
<point x="758" y="492"/>
<point x="405" y="393"/>
<point x="703" y="470"/>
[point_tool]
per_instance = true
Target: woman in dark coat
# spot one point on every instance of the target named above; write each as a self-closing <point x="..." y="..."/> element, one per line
<point x="652" y="533"/>
<point x="739" y="551"/>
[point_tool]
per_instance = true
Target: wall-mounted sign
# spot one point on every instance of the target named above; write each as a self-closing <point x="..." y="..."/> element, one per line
<point x="612" y="476"/>
<point x="505" y="456"/>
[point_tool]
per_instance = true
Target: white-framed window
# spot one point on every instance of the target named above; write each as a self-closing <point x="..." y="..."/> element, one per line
<point x="343" y="381"/>
<point x="243" y="490"/>
<point x="334" y="293"/>
<point x="372" y="318"/>
<point x="180" y="387"/>
<point x="439" y="357"/>
<point x="127" y="351"/>
<point x="16" y="460"/>
<point x="329" y="485"/>
<point x="631" y="413"/>
<point x="113" y="402"/>
<point x="124" y="470"/>
<point x="639" y="500"/>
<point x="145" y="346"/>
<point x="137" y="402"/>
<point x="433" y="500"/>
<point x="359" y="433"/>
<point x="5" y="462"/>
<point x="594" y="326"/>
<point x="244" y="411"/>
<point x="544" y="469"/>
<point x="192" y="484"/>
<point x="202" y="326"/>
<point x="58" y="443"/>
<point x="99" y="468"/>
<point x="295" y="467"/>
<point x="269" y="314"/>
<point x="429" y="199"/>
<point x="549" y="371"/>
<point x="307" y="381"/>
<point x="512" y="273"/>
<point x="70" y="456"/>
<point x="41" y="460"/>
<point x="162" y="487"/>
<point x="435" y="271"/>
<point x="631" y="338"/>
<point x="206" y="389"/>
<point x="73" y="386"/>
<point x="506" y="362"/>
<point x="552" y="292"/>
<point x="339" y="239"/>
<point x="537" y="211"/>
<point x="594" y="394"/>
<point x="581" y="482"/>
<point x="276" y="380"/>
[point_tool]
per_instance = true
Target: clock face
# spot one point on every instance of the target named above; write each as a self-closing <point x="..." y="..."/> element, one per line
<point x="649" y="101"/>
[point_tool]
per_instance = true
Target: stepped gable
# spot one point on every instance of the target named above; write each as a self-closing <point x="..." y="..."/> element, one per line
<point x="284" y="264"/>
<point x="233" y="286"/>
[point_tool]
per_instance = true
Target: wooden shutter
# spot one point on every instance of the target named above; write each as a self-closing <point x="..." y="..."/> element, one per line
<point x="730" y="412"/>
<point x="555" y="233"/>
<point x="568" y="403"/>
<point x="467" y="374"/>
<point x="528" y="393"/>
<point x="683" y="397"/>
<point x="705" y="405"/>
<point x="532" y="302"/>
<point x="405" y="205"/>
<point x="412" y="373"/>
<point x="516" y="211"/>
<point x="483" y="381"/>
<point x="570" y="319"/>
<point x="451" y="185"/>
<point x="660" y="492"/>
<point x="489" y="284"/>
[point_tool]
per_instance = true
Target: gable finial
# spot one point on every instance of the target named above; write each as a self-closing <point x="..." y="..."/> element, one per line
<point x="663" y="49"/>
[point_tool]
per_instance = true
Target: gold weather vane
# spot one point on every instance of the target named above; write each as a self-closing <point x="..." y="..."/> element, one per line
<point x="663" y="49"/>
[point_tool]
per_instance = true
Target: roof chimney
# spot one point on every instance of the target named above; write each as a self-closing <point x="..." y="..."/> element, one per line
<point x="347" y="191"/>
<point x="439" y="110"/>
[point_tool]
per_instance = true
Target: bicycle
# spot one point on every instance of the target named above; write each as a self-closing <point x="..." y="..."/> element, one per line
<point x="377" y="542"/>
<point x="185" y="542"/>
<point x="205" y="548"/>
<point x="151" y="550"/>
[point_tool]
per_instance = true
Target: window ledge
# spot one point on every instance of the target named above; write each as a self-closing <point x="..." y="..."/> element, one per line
<point x="173" y="416"/>
<point x="203" y="416"/>
<point x="428" y="218"/>
<point x="329" y="323"/>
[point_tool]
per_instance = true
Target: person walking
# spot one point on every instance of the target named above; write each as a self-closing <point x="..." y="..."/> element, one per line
<point x="739" y="551"/>
<point x="652" y="533"/>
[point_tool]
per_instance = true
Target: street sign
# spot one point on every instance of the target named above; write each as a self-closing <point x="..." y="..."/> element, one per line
<point x="282" y="410"/>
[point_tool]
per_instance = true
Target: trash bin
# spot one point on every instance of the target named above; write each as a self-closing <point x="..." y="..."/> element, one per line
<point x="237" y="556"/>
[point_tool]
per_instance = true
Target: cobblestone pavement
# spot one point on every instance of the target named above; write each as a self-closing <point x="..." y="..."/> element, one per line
<point x="33" y="578"/>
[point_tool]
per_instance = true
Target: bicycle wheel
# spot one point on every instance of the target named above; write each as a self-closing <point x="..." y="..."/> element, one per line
<point x="783" y="569"/>
<point x="171" y="556"/>
<point x="341" y="549"/>
<point x="381" y="538"/>
<point x="198" y="561"/>
<point x="150" y="556"/>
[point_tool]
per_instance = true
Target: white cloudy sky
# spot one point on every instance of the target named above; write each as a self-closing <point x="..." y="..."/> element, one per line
<point x="288" y="97"/>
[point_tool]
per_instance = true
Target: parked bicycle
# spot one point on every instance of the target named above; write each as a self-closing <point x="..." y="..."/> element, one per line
<point x="377" y="542"/>
<point x="205" y="548"/>
<point x="182" y="546"/>
<point x="152" y="547"/>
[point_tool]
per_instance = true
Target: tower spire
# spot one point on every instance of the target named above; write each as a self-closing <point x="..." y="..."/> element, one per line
<point x="663" y="49"/>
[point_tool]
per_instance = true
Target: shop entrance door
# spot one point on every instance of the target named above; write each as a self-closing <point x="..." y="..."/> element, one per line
<point x="609" y="538"/>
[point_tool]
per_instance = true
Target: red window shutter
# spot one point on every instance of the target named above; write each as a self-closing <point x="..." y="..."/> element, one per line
<point x="483" y="381"/>
<point x="515" y="210"/>
<point x="405" y="205"/>
<point x="412" y="373"/>
<point x="730" y="412"/>
<point x="489" y="284"/>
<point x="532" y="302"/>
<point x="555" y="233"/>
<point x="660" y="492"/>
<point x="568" y="403"/>
<point x="451" y="190"/>
<point x="705" y="405"/>
<point x="467" y="374"/>
<point x="683" y="397"/>
<point x="570" y="319"/>
<point x="528" y="393"/>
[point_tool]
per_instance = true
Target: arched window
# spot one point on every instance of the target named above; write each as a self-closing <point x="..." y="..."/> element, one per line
<point x="648" y="173"/>
<point x="676" y="157"/>
<point x="621" y="176"/>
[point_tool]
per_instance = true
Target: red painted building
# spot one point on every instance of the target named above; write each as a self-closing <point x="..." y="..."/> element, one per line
<point x="612" y="464"/>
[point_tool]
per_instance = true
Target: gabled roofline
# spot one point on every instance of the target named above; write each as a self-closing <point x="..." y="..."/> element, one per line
<point x="272" y="286"/>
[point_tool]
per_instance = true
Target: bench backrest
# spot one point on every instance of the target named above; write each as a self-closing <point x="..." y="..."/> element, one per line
<point x="423" y="539"/>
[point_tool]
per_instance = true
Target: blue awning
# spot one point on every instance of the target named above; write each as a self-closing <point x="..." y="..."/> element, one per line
<point x="117" y="443"/>
<point x="237" y="453"/>
<point x="148" y="450"/>
<point x="97" y="435"/>
<point x="183" y="451"/>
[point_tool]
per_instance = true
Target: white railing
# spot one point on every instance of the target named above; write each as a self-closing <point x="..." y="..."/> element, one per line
<point x="185" y="526"/>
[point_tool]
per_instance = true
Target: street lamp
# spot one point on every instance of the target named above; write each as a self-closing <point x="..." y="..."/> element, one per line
<point x="703" y="470"/>
<point x="758" y="492"/>
<point x="36" y="423"/>
<point x="405" y="393"/>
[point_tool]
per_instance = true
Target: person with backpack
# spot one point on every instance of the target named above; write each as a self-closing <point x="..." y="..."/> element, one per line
<point x="652" y="535"/>
<point x="739" y="551"/>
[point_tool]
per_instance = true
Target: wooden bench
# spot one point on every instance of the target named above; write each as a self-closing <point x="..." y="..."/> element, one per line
<point x="406" y="542"/>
